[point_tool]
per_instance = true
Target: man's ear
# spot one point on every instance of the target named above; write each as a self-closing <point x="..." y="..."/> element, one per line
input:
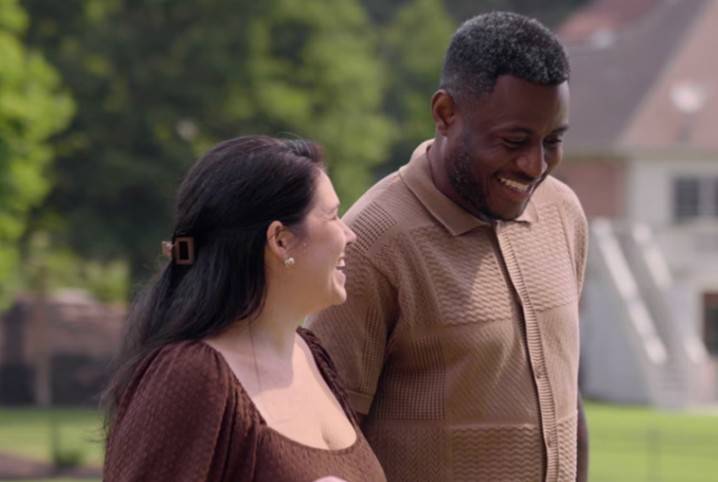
<point x="279" y="240"/>
<point x="444" y="111"/>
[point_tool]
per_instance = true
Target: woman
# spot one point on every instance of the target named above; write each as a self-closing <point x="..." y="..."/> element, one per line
<point x="216" y="380"/>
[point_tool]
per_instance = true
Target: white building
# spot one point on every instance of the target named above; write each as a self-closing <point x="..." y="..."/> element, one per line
<point x="642" y="154"/>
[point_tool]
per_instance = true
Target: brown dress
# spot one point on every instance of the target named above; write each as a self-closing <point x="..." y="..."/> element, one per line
<point x="186" y="417"/>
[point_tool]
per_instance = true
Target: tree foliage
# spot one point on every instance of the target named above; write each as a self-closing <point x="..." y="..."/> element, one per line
<point x="32" y="108"/>
<point x="157" y="82"/>
<point x="415" y="71"/>
<point x="551" y="12"/>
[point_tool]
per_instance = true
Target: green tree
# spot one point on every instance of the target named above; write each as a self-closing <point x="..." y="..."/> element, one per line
<point x="157" y="82"/>
<point x="315" y="73"/>
<point x="33" y="106"/>
<point x="551" y="12"/>
<point x="414" y="43"/>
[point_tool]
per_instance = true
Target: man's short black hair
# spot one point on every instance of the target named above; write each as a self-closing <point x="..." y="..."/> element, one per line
<point x="502" y="43"/>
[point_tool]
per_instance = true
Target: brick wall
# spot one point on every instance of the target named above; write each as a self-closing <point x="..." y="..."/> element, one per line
<point x="599" y="185"/>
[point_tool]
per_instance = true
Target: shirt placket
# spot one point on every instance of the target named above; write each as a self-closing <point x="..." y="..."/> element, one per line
<point x="535" y="351"/>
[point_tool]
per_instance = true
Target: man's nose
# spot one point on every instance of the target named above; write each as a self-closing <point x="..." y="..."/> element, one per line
<point x="532" y="162"/>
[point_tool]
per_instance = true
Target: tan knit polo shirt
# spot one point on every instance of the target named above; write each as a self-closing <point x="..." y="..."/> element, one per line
<point x="459" y="339"/>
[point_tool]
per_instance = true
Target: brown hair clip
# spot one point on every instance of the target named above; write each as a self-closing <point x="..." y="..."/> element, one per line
<point x="181" y="251"/>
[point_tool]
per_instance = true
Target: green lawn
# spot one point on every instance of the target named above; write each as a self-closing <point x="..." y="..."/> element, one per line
<point x="628" y="444"/>
<point x="27" y="432"/>
<point x="635" y="444"/>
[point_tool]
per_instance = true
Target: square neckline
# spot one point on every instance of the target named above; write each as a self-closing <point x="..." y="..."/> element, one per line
<point x="263" y="423"/>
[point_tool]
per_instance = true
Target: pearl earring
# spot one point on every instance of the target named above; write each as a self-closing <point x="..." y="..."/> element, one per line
<point x="289" y="262"/>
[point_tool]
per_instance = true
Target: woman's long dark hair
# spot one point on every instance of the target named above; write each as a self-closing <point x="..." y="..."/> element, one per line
<point x="225" y="203"/>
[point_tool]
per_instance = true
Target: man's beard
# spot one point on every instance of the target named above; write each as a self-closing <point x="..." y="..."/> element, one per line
<point x="463" y="183"/>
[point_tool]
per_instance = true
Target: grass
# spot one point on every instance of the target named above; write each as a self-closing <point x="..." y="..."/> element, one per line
<point x="628" y="444"/>
<point x="26" y="432"/>
<point x="635" y="444"/>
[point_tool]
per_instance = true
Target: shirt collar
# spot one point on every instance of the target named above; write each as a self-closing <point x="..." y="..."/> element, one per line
<point x="416" y="175"/>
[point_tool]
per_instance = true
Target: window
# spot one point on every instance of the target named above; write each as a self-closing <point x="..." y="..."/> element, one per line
<point x="710" y="322"/>
<point x="695" y="197"/>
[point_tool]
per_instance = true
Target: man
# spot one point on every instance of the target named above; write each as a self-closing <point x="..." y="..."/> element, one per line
<point x="459" y="339"/>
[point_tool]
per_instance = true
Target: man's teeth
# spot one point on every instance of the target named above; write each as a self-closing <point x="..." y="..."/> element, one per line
<point x="515" y="185"/>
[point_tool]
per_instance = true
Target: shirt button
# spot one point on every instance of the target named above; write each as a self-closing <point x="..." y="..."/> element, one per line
<point x="549" y="440"/>
<point x="539" y="372"/>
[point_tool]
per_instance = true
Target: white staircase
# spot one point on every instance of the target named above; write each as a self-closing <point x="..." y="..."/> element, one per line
<point x="635" y="349"/>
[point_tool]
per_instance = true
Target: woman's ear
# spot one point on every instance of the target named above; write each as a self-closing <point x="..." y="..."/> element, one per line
<point x="279" y="240"/>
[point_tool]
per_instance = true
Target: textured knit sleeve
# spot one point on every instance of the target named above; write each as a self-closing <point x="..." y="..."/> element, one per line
<point x="178" y="422"/>
<point x="582" y="251"/>
<point x="356" y="333"/>
<point x="580" y="236"/>
<point x="578" y="230"/>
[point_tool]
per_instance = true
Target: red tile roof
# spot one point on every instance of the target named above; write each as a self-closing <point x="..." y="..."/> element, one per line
<point x="618" y="51"/>
<point x="603" y="15"/>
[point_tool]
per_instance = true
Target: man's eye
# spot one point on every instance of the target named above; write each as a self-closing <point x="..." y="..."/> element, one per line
<point x="553" y="141"/>
<point x="513" y="143"/>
